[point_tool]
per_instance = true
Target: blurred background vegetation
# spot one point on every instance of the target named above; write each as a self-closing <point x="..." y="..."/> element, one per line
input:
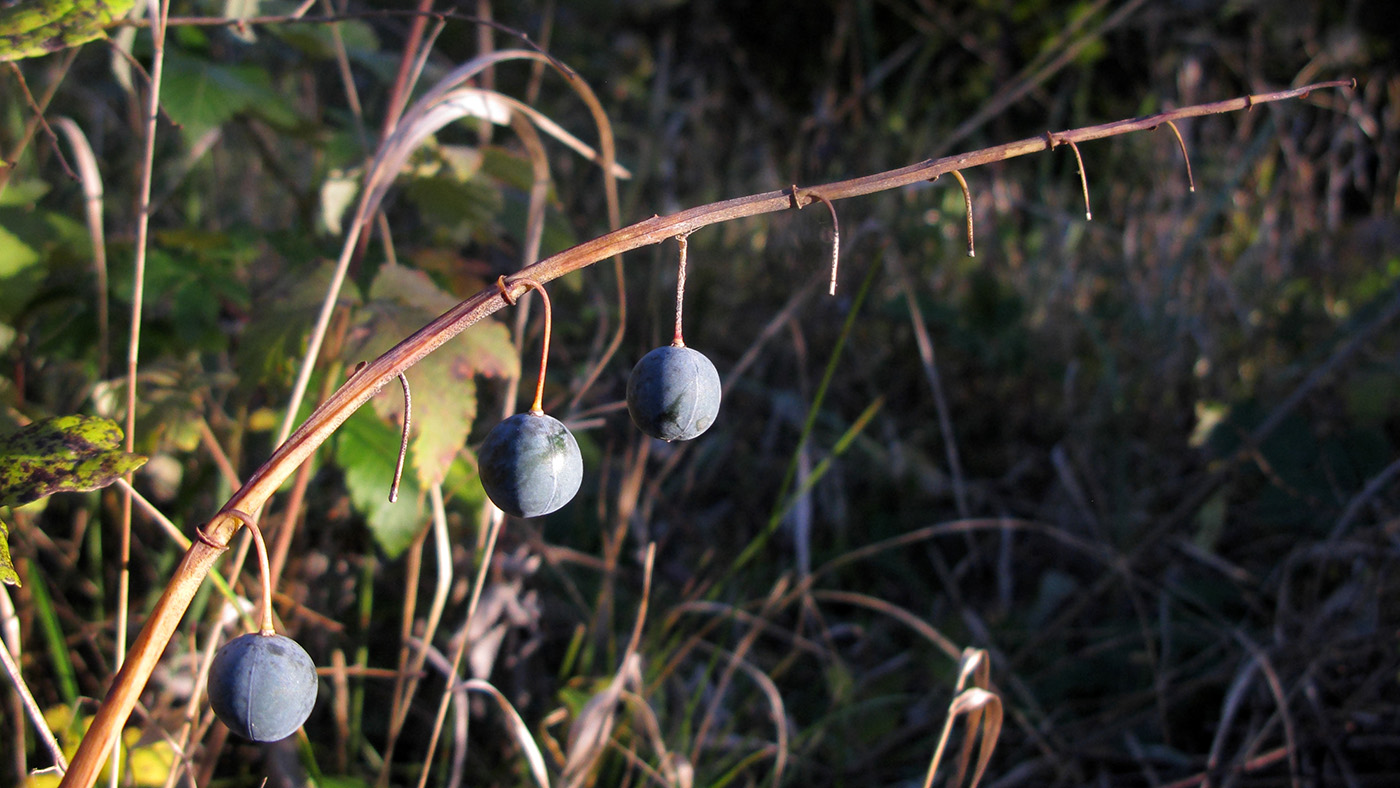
<point x="1147" y="462"/>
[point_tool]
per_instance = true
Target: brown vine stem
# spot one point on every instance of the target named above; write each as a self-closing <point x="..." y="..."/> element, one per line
<point x="319" y="426"/>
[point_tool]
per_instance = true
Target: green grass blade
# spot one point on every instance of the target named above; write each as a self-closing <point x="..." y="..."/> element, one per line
<point x="782" y="504"/>
<point x="47" y="618"/>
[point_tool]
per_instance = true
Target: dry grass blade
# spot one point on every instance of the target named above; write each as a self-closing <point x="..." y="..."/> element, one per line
<point x="938" y="639"/>
<point x="514" y="722"/>
<point x="979" y="706"/>
<point x="425" y="120"/>
<point x="88" y="764"/>
<point x="777" y="710"/>
<point x="91" y="179"/>
<point x="736" y="658"/>
<point x="31" y="707"/>
<point x="518" y="729"/>
<point x="488" y="552"/>
<point x="675" y="769"/>
<point x="442" y="551"/>
<point x="1353" y="508"/>
<point x="976" y="668"/>
<point x="1089" y="549"/>
<point x="1261" y="660"/>
<point x="591" y="732"/>
<point x="588" y="738"/>
<point x="924" y="342"/>
<point x="444" y="103"/>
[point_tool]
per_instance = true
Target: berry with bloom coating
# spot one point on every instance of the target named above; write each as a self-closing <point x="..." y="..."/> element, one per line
<point x="673" y="393"/>
<point x="530" y="465"/>
<point x="262" y="686"/>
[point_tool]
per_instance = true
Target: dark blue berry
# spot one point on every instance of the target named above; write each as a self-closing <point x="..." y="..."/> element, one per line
<point x="673" y="393"/>
<point x="262" y="686"/>
<point x="530" y="465"/>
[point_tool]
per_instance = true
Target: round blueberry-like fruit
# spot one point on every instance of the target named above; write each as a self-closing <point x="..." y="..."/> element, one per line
<point x="673" y="393"/>
<point x="530" y="465"/>
<point x="262" y="686"/>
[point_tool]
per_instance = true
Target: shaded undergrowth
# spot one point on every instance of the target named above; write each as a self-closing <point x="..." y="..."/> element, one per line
<point x="1146" y="462"/>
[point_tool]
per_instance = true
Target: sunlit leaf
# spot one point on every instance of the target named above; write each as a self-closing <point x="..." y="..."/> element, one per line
<point x="7" y="567"/>
<point x="23" y="193"/>
<point x="31" y="28"/>
<point x="29" y="238"/>
<point x="338" y="193"/>
<point x="62" y="454"/>
<point x="15" y="254"/>
<point x="147" y="764"/>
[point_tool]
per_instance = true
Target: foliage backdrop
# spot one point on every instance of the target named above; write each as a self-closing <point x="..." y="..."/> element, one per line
<point x="1158" y="448"/>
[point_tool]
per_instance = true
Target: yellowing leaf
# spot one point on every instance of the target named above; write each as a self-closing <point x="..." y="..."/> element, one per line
<point x="401" y="301"/>
<point x="7" y="567"/>
<point x="62" y="454"/>
<point x="147" y="765"/>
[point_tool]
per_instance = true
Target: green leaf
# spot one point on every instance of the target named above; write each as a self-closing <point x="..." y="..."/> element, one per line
<point x="7" y="567"/>
<point x="15" y="254"/>
<point x="367" y="449"/>
<point x="31" y="28"/>
<point x="62" y="454"/>
<point x="274" y="342"/>
<point x="21" y="193"/>
<point x="401" y="301"/>
<point x="31" y="242"/>
<point x="199" y="94"/>
<point x="457" y="210"/>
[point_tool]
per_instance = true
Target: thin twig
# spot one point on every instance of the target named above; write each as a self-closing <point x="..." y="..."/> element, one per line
<point x="441" y="16"/>
<point x="143" y="224"/>
<point x="7" y="165"/>
<point x="1083" y="181"/>
<point x="967" y="202"/>
<point x="835" y="241"/>
<point x="678" y="338"/>
<point x="403" y="444"/>
<point x="487" y="556"/>
<point x="1184" y="155"/>
<point x="402" y="88"/>
<point x="31" y="707"/>
<point x="41" y="120"/>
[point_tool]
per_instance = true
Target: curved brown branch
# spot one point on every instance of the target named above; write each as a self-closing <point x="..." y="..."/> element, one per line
<point x="361" y="387"/>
